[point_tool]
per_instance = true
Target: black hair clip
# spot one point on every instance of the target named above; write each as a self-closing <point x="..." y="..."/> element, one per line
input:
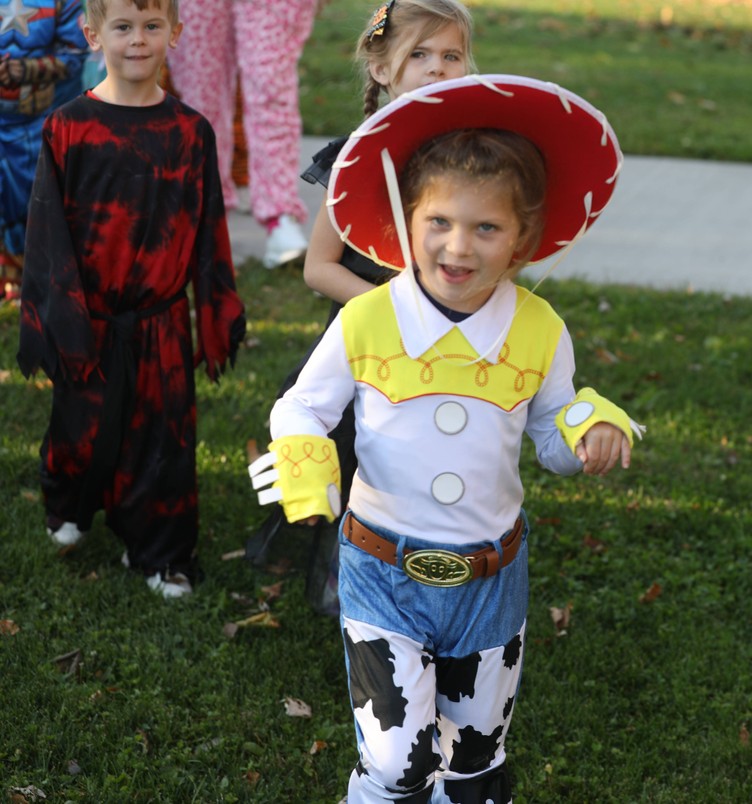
<point x="379" y="20"/>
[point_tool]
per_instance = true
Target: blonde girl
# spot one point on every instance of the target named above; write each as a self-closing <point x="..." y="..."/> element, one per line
<point x="407" y="44"/>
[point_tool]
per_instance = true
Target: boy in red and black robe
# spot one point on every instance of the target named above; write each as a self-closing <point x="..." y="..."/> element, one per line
<point x="126" y="212"/>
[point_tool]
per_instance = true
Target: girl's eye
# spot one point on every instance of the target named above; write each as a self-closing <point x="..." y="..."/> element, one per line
<point x="122" y="27"/>
<point x="452" y="57"/>
<point x="437" y="221"/>
<point x="487" y="227"/>
<point x="417" y="54"/>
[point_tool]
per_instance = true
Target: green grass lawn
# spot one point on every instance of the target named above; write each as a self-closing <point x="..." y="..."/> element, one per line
<point x="110" y="694"/>
<point x="672" y="77"/>
<point x="646" y="698"/>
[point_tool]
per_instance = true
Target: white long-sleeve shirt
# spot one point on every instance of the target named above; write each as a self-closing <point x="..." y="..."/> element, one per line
<point x="438" y="452"/>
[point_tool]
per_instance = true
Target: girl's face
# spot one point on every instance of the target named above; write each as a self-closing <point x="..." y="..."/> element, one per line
<point x="464" y="235"/>
<point x="437" y="58"/>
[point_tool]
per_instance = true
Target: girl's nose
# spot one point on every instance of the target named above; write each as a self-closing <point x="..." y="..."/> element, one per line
<point x="436" y="66"/>
<point x="460" y="243"/>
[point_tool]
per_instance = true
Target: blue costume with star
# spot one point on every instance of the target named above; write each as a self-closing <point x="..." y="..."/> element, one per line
<point x="42" y="52"/>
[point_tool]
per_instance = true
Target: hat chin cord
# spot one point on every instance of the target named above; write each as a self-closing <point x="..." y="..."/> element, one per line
<point x="398" y="215"/>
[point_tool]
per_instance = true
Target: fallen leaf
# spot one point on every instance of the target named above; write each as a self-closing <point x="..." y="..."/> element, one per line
<point x="4" y="376"/>
<point x="317" y="747"/>
<point x="244" y="600"/>
<point x="744" y="735"/>
<point x="607" y="357"/>
<point x="263" y="619"/>
<point x="596" y="545"/>
<point x="294" y="707"/>
<point x="551" y="520"/>
<point x="272" y="592"/>
<point x="677" y="98"/>
<point x="229" y="630"/>
<point x="73" y="767"/>
<point x="30" y="793"/>
<point x="655" y="591"/>
<point x="561" y="618"/>
<point x="8" y="628"/>
<point x="30" y="495"/>
<point x="252" y="777"/>
<point x="233" y="554"/>
<point x="552" y="24"/>
<point x="69" y="663"/>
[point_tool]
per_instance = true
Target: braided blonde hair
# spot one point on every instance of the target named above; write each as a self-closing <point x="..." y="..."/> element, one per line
<point x="409" y="22"/>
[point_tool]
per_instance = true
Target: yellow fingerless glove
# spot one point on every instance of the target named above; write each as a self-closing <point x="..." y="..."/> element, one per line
<point x="304" y="474"/>
<point x="589" y="408"/>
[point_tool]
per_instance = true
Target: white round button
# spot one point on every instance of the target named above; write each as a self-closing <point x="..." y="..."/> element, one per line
<point x="450" y="417"/>
<point x="579" y="412"/>
<point x="447" y="488"/>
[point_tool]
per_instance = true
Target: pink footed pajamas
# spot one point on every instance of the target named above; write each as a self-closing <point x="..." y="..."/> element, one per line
<point x="259" y="42"/>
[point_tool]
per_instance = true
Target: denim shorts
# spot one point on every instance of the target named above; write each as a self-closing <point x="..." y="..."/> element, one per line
<point x="449" y="621"/>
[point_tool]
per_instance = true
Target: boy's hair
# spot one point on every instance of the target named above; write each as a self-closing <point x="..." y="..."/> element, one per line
<point x="96" y="10"/>
<point x="408" y="23"/>
<point x="484" y="155"/>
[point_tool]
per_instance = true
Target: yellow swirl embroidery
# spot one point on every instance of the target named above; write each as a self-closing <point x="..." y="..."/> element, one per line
<point x="426" y="373"/>
<point x="297" y="464"/>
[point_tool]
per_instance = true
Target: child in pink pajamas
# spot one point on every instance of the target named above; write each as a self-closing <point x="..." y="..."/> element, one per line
<point x="259" y="43"/>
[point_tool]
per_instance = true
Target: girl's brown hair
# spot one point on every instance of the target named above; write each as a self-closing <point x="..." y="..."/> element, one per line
<point x="96" y="11"/>
<point x="408" y="23"/>
<point x="477" y="155"/>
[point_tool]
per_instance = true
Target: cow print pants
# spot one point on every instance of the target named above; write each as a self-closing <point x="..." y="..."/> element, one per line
<point x="430" y="729"/>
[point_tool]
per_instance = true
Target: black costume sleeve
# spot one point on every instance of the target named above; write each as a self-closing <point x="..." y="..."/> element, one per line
<point x="220" y="322"/>
<point x="56" y="333"/>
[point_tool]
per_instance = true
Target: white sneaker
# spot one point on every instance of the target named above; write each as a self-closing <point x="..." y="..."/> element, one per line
<point x="169" y="586"/>
<point x="66" y="535"/>
<point x="286" y="242"/>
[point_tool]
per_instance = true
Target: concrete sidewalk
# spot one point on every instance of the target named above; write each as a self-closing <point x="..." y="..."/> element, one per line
<point x="672" y="224"/>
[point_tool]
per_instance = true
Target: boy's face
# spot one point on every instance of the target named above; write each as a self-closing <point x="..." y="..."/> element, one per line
<point x="134" y="42"/>
<point x="464" y="236"/>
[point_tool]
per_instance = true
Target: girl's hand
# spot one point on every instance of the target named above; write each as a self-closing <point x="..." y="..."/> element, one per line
<point x="601" y="447"/>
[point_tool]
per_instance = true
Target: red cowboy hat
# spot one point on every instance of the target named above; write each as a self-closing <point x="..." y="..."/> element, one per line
<point x="581" y="152"/>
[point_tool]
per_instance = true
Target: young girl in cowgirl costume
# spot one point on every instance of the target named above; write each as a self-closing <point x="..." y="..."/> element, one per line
<point x="448" y="365"/>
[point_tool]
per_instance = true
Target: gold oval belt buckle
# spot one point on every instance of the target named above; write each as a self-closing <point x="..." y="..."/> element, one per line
<point x="437" y="568"/>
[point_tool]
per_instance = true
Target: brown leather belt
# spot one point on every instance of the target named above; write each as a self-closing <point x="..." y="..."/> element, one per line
<point x="437" y="567"/>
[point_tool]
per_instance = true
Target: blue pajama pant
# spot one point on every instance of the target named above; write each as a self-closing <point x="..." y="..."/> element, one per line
<point x="20" y="142"/>
<point x="433" y="676"/>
